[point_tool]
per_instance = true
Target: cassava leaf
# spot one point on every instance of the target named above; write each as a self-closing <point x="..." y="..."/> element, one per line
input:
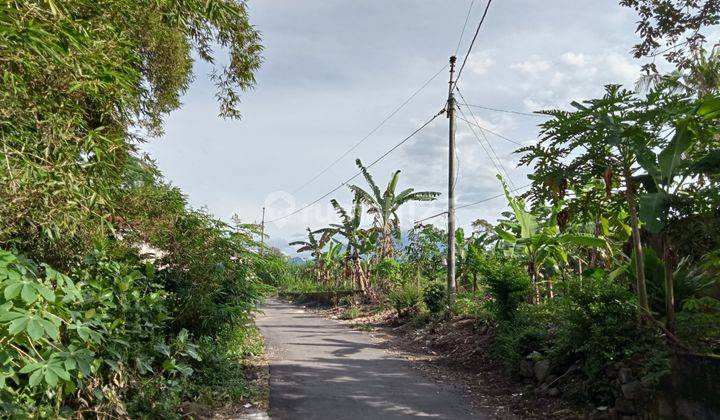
<point x="35" y="329"/>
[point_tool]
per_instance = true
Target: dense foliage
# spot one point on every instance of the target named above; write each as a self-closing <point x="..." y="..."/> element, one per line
<point x="119" y="331"/>
<point x="118" y="299"/>
<point x="80" y="81"/>
<point x="434" y="297"/>
<point x="508" y="283"/>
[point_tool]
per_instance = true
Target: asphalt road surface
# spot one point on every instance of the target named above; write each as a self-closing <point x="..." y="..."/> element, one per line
<point x="320" y="369"/>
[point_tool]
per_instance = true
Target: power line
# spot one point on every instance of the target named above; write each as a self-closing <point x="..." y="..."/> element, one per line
<point x="528" y="114"/>
<point x="472" y="43"/>
<point x="492" y="132"/>
<point x="481" y="127"/>
<point x="377" y="127"/>
<point x="655" y="53"/>
<point x="381" y="157"/>
<point x="473" y="204"/>
<point x="500" y="171"/>
<point x="493" y="197"/>
<point x="462" y="33"/>
<point x="430" y="217"/>
<point x="492" y="149"/>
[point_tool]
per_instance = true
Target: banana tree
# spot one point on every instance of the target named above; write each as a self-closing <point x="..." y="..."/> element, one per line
<point x="332" y="260"/>
<point x="667" y="173"/>
<point x="468" y="254"/>
<point x="367" y="242"/>
<point x="349" y="228"/>
<point x="384" y="207"/>
<point x="539" y="242"/>
<point x="471" y="255"/>
<point x="315" y="246"/>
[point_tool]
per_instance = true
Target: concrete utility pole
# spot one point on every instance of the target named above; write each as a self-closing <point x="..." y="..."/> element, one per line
<point x="451" y="187"/>
<point x="262" y="232"/>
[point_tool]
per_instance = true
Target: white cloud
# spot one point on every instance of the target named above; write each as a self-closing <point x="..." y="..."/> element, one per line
<point x="574" y="59"/>
<point x="558" y="79"/>
<point x="338" y="68"/>
<point x="622" y="68"/>
<point x="576" y="76"/>
<point x="480" y="63"/>
<point x="532" y="67"/>
<point x="532" y="104"/>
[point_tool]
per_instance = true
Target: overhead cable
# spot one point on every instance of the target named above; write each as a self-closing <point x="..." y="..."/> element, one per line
<point x="472" y="204"/>
<point x="472" y="43"/>
<point x="508" y="111"/>
<point x="360" y="172"/>
<point x="367" y="136"/>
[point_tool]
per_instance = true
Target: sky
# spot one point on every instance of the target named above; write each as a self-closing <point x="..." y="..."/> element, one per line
<point x="334" y="69"/>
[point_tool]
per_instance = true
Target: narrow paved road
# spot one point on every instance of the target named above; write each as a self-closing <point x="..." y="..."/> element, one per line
<point x="320" y="369"/>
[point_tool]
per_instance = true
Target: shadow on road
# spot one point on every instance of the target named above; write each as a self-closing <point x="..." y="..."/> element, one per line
<point x="320" y="369"/>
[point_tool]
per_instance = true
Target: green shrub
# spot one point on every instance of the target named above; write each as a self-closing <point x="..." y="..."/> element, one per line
<point x="155" y="398"/>
<point x="271" y="268"/>
<point x="592" y="324"/>
<point x="698" y="324"/>
<point x="404" y="299"/>
<point x="434" y="296"/>
<point x="508" y="283"/>
<point x="597" y="326"/>
<point x="469" y="304"/>
<point x="597" y="321"/>
<point x="690" y="281"/>
<point x="350" y="313"/>
<point x="210" y="275"/>
<point x="220" y="376"/>
<point x="346" y="301"/>
<point x="101" y="339"/>
<point x="528" y="331"/>
<point x="389" y="269"/>
<point x="83" y="335"/>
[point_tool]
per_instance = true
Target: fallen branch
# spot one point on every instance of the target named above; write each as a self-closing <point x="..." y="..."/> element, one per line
<point x="572" y="368"/>
<point x="648" y="315"/>
<point x="667" y="332"/>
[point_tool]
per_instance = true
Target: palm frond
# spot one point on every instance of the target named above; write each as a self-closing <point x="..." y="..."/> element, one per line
<point x="340" y="210"/>
<point x="294" y="243"/>
<point x="390" y="190"/>
<point x="369" y="180"/>
<point x="357" y="211"/>
<point x="363" y="195"/>
<point x="326" y="236"/>
<point x="305" y="248"/>
<point x="411" y="195"/>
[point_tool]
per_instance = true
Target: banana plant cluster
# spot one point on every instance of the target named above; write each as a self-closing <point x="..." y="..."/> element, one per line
<point x="536" y="238"/>
<point x="376" y="241"/>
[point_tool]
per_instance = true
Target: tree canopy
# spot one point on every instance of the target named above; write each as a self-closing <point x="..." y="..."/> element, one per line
<point x="84" y="81"/>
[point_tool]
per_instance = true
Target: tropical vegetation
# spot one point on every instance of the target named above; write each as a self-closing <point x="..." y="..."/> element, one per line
<point x="118" y="299"/>
<point x="613" y="253"/>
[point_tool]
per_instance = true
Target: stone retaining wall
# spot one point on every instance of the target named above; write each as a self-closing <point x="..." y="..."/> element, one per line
<point x="691" y="391"/>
